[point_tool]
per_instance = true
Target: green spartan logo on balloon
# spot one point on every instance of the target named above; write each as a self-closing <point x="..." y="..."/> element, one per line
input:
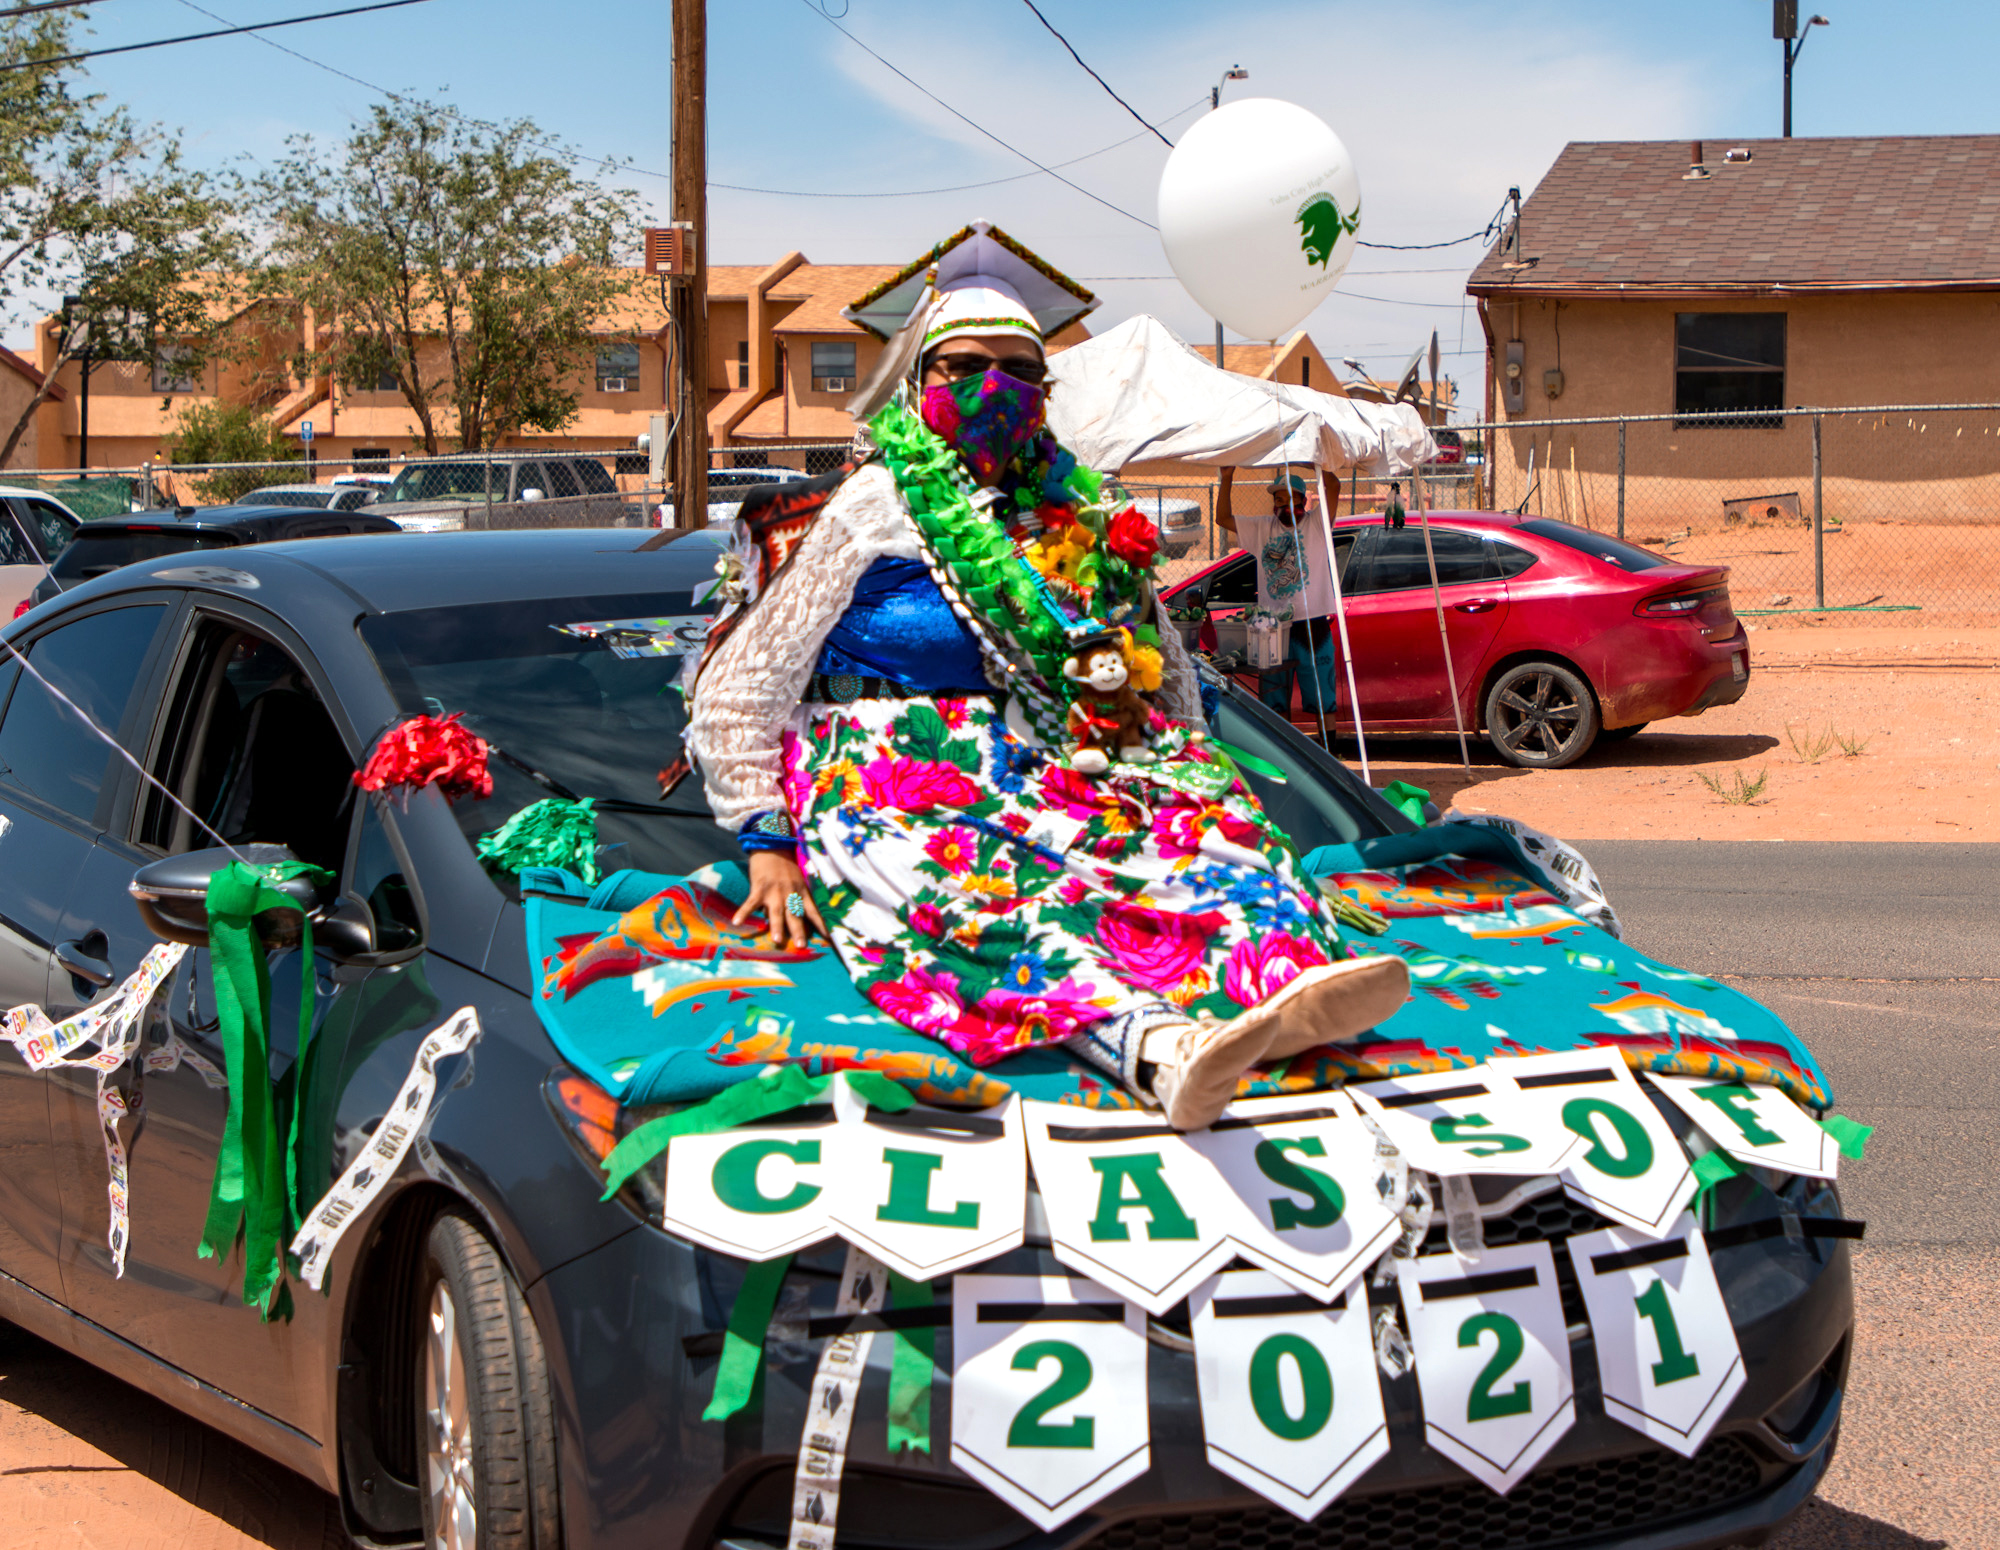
<point x="1321" y="224"/>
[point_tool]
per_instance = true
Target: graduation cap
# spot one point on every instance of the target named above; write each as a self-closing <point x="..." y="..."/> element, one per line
<point x="979" y="280"/>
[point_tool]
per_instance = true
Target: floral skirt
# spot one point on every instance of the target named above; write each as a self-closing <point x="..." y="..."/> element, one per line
<point x="985" y="894"/>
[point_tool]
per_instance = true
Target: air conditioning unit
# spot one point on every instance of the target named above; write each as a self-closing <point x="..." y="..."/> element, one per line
<point x="615" y="385"/>
<point x="833" y="384"/>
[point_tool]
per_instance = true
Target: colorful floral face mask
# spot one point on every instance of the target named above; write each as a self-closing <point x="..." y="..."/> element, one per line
<point x="985" y="419"/>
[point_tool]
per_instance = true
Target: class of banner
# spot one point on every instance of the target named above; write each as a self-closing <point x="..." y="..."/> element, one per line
<point x="1048" y="1399"/>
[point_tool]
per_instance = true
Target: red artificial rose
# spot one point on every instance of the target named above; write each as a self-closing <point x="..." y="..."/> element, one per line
<point x="428" y="750"/>
<point x="1132" y="538"/>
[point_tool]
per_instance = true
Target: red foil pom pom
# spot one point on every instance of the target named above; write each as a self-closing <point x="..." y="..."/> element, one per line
<point x="429" y="750"/>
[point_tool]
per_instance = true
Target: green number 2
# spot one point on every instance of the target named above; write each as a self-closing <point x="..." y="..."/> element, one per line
<point x="1072" y="1378"/>
<point x="1676" y="1361"/>
<point x="1509" y="1343"/>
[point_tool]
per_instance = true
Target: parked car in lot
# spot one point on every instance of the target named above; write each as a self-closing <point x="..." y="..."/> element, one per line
<point x="447" y="494"/>
<point x="1559" y="636"/>
<point x="499" y="1345"/>
<point x="1450" y="445"/>
<point x="727" y="488"/>
<point x="34" y="528"/>
<point x="1177" y="519"/>
<point x="336" y="496"/>
<point x="98" y="548"/>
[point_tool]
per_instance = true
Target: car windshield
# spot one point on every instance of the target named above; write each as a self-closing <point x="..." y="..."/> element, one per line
<point x="1617" y="552"/>
<point x="576" y="697"/>
<point x="94" y="554"/>
<point x="571" y="707"/>
<point x="442" y="481"/>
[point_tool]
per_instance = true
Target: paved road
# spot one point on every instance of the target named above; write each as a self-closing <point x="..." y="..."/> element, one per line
<point x="1886" y="960"/>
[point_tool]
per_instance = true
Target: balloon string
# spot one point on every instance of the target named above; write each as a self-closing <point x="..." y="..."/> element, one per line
<point x="116" y="747"/>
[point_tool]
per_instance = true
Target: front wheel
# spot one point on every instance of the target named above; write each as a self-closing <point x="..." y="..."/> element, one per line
<point x="1541" y="716"/>
<point x="484" y="1411"/>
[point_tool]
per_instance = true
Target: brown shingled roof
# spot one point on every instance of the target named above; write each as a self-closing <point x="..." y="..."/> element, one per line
<point x="821" y="291"/>
<point x="1877" y="212"/>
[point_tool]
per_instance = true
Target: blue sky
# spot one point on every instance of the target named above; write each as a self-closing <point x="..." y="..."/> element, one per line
<point x="1442" y="104"/>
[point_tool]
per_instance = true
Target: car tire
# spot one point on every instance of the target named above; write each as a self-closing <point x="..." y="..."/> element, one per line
<point x="485" y="1416"/>
<point x="1541" y="716"/>
<point x="1619" y="734"/>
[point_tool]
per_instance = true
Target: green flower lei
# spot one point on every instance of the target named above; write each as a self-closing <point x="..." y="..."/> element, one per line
<point x="1005" y="599"/>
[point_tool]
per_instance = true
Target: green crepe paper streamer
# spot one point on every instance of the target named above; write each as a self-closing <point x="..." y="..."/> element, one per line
<point x="1711" y="1168"/>
<point x="1407" y="799"/>
<point x="550" y="832"/>
<point x="1249" y="761"/>
<point x="743" y="1341"/>
<point x="255" y="1178"/>
<point x="914" y="1356"/>
<point x="1850" y="1136"/>
<point x="773" y="1093"/>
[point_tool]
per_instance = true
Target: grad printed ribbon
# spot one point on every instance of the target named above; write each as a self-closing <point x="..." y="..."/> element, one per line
<point x="322" y="1226"/>
<point x="113" y="1023"/>
<point x="255" y="1177"/>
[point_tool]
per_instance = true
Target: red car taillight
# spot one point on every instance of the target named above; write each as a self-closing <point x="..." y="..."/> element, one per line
<point x="1674" y="605"/>
<point x="595" y="1122"/>
<point x="23" y="606"/>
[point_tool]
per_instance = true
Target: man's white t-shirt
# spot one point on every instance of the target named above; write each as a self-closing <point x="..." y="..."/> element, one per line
<point x="1292" y="574"/>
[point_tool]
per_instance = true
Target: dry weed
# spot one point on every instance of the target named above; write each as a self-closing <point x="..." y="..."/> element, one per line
<point x="1737" y="793"/>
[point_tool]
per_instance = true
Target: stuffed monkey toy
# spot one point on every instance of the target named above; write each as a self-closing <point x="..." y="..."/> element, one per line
<point x="1108" y="719"/>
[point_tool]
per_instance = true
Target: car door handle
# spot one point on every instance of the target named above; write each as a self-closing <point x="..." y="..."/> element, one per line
<point x="91" y="970"/>
<point x="1477" y="605"/>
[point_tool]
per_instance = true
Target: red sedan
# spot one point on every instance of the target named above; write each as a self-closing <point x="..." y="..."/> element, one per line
<point x="1559" y="635"/>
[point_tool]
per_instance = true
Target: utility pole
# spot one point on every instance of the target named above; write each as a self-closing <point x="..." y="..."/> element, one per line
<point x="690" y="295"/>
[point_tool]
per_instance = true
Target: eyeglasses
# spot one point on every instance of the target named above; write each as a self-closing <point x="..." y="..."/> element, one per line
<point x="1022" y="368"/>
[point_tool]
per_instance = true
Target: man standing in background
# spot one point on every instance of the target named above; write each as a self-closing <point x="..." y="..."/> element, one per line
<point x="1294" y="582"/>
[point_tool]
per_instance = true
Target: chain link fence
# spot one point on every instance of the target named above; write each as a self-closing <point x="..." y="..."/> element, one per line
<point x="1823" y="516"/>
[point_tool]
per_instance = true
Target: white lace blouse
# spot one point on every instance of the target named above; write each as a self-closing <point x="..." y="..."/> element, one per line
<point x="749" y="692"/>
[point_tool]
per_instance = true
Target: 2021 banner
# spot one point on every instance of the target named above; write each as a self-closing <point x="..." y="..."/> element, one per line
<point x="1756" y="1125"/>
<point x="1048" y="1391"/>
<point x="1666" y="1352"/>
<point x="1492" y="1352"/>
<point x="1290" y="1404"/>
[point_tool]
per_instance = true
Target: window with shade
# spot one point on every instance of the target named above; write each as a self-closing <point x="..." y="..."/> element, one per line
<point x="1726" y="363"/>
<point x="833" y="367"/>
<point x="618" y="368"/>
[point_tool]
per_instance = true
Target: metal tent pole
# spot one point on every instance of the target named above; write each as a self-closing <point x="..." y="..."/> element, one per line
<point x="1340" y="619"/>
<point x="1437" y="597"/>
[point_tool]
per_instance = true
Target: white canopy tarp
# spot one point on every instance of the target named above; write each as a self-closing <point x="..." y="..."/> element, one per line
<point x="1138" y="393"/>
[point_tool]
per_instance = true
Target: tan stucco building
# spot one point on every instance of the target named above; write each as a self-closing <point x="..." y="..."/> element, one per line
<point x="1676" y="279"/>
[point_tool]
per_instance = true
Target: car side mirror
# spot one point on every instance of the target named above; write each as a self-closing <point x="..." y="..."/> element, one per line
<point x="172" y="895"/>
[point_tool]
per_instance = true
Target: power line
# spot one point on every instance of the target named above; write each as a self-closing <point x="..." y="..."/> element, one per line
<point x="1073" y="54"/>
<point x="198" y="37"/>
<point x="44" y="5"/>
<point x="1425" y="247"/>
<point x="964" y="120"/>
<point x="958" y="188"/>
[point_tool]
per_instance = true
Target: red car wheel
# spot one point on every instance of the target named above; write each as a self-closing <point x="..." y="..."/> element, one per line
<point x="1541" y="716"/>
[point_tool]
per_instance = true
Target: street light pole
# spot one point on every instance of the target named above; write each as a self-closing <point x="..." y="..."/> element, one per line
<point x="1233" y="73"/>
<point x="1792" y="39"/>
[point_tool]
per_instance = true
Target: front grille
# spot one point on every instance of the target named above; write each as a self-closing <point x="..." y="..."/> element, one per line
<point x="1546" y="1510"/>
<point x="1550" y="1217"/>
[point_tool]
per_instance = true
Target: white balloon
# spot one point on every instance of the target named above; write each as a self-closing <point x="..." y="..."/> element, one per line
<point x="1260" y="210"/>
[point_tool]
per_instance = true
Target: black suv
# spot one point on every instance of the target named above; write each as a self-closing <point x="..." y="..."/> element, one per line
<point x="98" y="548"/>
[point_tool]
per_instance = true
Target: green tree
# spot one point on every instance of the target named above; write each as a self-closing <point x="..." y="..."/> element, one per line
<point x="96" y="206"/>
<point x="230" y="433"/>
<point x="464" y="260"/>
